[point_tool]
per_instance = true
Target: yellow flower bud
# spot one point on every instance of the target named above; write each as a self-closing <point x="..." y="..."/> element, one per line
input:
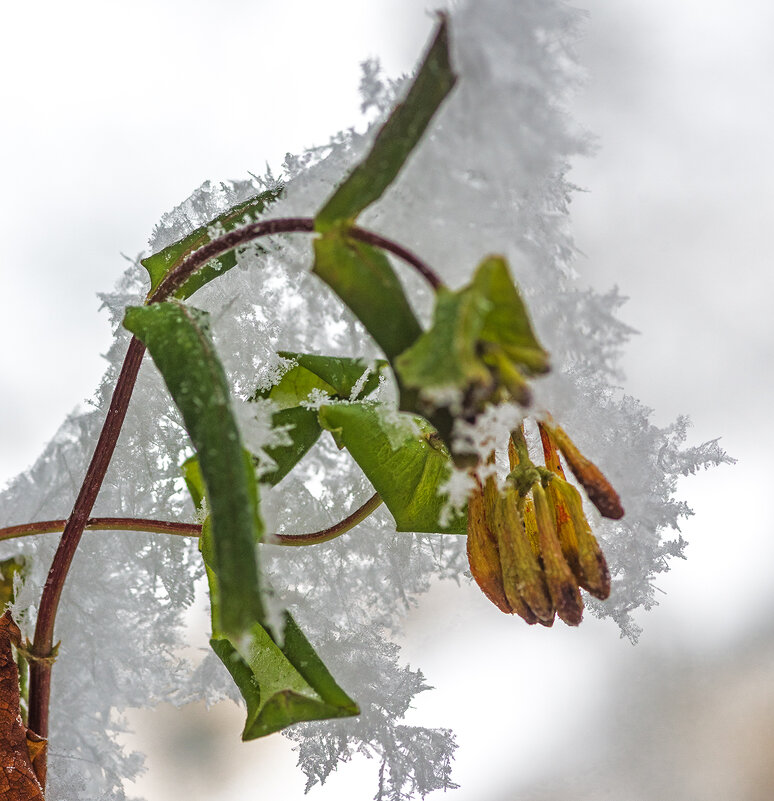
<point x="523" y="577"/>
<point x="483" y="553"/>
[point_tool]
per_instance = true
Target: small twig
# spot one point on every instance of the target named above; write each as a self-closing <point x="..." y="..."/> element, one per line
<point x="191" y="529"/>
<point x="103" y="524"/>
<point x="349" y="522"/>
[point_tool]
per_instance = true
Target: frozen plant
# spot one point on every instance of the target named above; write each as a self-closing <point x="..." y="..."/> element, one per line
<point x="425" y="401"/>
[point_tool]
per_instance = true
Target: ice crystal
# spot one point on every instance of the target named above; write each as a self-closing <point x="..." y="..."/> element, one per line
<point x="488" y="177"/>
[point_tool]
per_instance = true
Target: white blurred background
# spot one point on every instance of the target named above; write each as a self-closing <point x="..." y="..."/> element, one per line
<point x="111" y="114"/>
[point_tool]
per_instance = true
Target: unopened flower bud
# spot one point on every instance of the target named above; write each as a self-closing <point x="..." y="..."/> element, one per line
<point x="597" y="487"/>
<point x="523" y="578"/>
<point x="561" y="582"/>
<point x="594" y="575"/>
<point x="483" y="553"/>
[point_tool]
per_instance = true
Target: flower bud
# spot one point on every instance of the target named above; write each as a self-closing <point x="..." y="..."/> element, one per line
<point x="597" y="487"/>
<point x="594" y="575"/>
<point x="483" y="553"/>
<point x="565" y="527"/>
<point x="561" y="582"/>
<point x="523" y="577"/>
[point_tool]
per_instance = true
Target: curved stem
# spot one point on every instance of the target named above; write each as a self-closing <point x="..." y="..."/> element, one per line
<point x="371" y="238"/>
<point x="191" y="529"/>
<point x="285" y="225"/>
<point x="336" y="530"/>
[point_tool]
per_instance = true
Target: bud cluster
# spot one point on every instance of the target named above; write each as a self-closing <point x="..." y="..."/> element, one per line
<point x="530" y="546"/>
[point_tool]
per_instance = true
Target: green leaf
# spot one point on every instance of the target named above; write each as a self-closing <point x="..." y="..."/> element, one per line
<point x="360" y="274"/>
<point x="446" y="357"/>
<point x="480" y="349"/>
<point x="192" y="473"/>
<point x="401" y="456"/>
<point x="281" y="684"/>
<point x="335" y="375"/>
<point x="178" y="339"/>
<point x="159" y="264"/>
<point x="397" y="137"/>
<point x="507" y="322"/>
<point x="363" y="278"/>
<point x="303" y="430"/>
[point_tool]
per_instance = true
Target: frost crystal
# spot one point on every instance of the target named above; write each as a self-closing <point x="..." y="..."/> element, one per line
<point x="488" y="177"/>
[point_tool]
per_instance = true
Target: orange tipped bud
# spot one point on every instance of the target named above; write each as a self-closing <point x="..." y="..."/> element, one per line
<point x="597" y="487"/>
<point x="530" y="546"/>
<point x="549" y="451"/>
<point x="594" y="575"/>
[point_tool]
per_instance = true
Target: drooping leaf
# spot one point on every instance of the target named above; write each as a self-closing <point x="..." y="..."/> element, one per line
<point x="159" y="264"/>
<point x="402" y="457"/>
<point x="337" y="376"/>
<point x="281" y="684"/>
<point x="19" y="747"/>
<point x="397" y="137"/>
<point x="178" y="339"/>
<point x="363" y="278"/>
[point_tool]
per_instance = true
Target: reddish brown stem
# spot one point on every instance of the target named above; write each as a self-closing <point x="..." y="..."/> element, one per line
<point x="286" y="225"/>
<point x="191" y="529"/>
<point x="370" y="238"/>
<point x="40" y="669"/>
<point x="103" y="524"/>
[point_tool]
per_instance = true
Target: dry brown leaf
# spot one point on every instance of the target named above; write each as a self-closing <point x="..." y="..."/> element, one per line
<point x="18" y="781"/>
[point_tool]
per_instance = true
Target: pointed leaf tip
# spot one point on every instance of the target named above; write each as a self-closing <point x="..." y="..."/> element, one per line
<point x="397" y="138"/>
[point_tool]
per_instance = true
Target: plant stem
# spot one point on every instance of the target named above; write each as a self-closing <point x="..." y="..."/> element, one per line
<point x="191" y="529"/>
<point x="40" y="667"/>
<point x="371" y="238"/>
<point x="286" y="225"/>
<point x="336" y="530"/>
<point x="103" y="524"/>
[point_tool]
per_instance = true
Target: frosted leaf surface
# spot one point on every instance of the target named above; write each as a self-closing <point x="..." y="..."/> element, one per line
<point x="489" y="177"/>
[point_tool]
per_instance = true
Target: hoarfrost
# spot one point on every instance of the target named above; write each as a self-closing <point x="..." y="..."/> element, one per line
<point x="490" y="176"/>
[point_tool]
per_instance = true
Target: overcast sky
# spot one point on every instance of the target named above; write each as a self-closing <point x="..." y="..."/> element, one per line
<point x="113" y="113"/>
